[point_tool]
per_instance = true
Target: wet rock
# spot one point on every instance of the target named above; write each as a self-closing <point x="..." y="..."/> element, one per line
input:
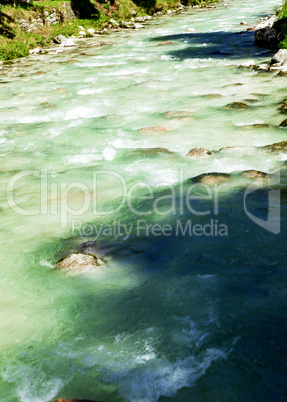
<point x="197" y="153"/>
<point x="280" y="57"/>
<point x="254" y="174"/>
<point x="243" y="23"/>
<point x="78" y="263"/>
<point x="40" y="72"/>
<point x="236" y="106"/>
<point x="267" y="37"/>
<point x="277" y="147"/>
<point x="190" y="30"/>
<point x="211" y="179"/>
<point x="284" y="123"/>
<point x="169" y="42"/>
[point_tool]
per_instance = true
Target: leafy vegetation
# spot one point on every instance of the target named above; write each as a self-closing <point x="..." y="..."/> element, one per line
<point x="281" y="25"/>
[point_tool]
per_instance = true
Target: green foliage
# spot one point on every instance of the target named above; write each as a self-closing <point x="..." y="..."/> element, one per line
<point x="281" y="26"/>
<point x="13" y="50"/>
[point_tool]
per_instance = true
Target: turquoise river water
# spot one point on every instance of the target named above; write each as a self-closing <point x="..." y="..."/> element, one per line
<point x="173" y="314"/>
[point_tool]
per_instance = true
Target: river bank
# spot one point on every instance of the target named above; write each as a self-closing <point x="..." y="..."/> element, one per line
<point x="22" y="29"/>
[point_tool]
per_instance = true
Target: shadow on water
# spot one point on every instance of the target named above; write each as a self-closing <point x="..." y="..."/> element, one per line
<point x="215" y="45"/>
<point x="197" y="297"/>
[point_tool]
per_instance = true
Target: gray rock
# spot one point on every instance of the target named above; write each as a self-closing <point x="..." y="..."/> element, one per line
<point x="59" y="39"/>
<point x="68" y="43"/>
<point x="267" y="37"/>
<point x="140" y="19"/>
<point x="280" y="57"/>
<point x="35" y="51"/>
<point x="138" y="26"/>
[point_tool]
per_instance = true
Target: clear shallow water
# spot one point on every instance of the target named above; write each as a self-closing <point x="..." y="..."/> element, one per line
<point x="173" y="317"/>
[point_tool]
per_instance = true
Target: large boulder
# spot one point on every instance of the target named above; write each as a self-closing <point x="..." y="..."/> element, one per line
<point x="63" y="41"/>
<point x="280" y="57"/>
<point x="87" y="257"/>
<point x="77" y="263"/>
<point x="267" y="37"/>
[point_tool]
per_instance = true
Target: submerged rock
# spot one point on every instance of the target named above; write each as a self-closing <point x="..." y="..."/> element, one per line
<point x="236" y="106"/>
<point x="211" y="179"/>
<point x="197" y="153"/>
